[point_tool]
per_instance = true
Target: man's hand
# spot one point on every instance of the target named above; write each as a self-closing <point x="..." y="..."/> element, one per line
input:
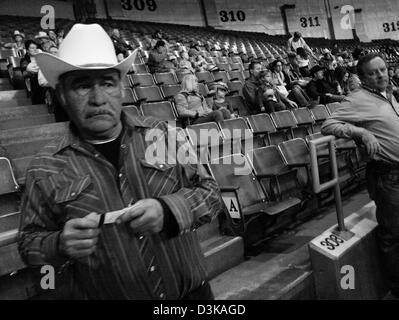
<point x="371" y="143"/>
<point x="79" y="236"/>
<point x="145" y="216"/>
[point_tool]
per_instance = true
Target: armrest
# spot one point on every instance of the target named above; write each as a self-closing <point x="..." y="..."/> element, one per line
<point x="234" y="79"/>
<point x="160" y="83"/>
<point x="229" y="188"/>
<point x="276" y="174"/>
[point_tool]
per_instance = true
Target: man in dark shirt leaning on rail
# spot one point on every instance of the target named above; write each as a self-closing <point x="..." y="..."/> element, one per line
<point x="76" y="183"/>
<point x="370" y="116"/>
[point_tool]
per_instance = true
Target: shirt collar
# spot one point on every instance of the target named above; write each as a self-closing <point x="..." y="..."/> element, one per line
<point x="129" y="123"/>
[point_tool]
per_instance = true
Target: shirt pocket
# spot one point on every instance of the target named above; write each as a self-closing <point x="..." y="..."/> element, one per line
<point x="162" y="178"/>
<point x="74" y="197"/>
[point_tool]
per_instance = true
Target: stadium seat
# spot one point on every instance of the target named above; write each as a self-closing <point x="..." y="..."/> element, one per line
<point x="26" y="121"/>
<point x="165" y="78"/>
<point x="169" y="91"/>
<point x="128" y="97"/>
<point x="132" y="110"/>
<point x="140" y="68"/>
<point x="204" y="77"/>
<point x="239" y="105"/>
<point x="320" y="114"/>
<point x="236" y="76"/>
<point x="235" y="87"/>
<point x="236" y="67"/>
<point x="203" y="90"/>
<point x="304" y="117"/>
<point x="141" y="80"/>
<point x="285" y="121"/>
<point x="262" y="125"/>
<point x="160" y="110"/>
<point x="221" y="76"/>
<point x="148" y="94"/>
<point x="331" y="107"/>
<point x="275" y="176"/>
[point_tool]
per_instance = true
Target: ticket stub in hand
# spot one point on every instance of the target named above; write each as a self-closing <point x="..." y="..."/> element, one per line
<point x="111" y="217"/>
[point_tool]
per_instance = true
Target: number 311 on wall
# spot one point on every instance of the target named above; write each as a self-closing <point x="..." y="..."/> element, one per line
<point x="309" y="22"/>
<point x="390" y="26"/>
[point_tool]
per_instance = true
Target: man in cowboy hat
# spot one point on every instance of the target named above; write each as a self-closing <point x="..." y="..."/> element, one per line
<point x="319" y="90"/>
<point x="44" y="40"/>
<point x="18" y="43"/>
<point x="114" y="218"/>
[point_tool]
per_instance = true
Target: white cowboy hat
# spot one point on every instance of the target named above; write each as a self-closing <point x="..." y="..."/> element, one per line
<point x="86" y="47"/>
<point x="41" y="35"/>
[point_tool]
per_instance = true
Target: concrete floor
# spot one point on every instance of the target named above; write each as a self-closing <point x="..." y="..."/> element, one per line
<point x="282" y="268"/>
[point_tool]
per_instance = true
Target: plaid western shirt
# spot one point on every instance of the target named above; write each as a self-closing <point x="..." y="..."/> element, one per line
<point x="69" y="179"/>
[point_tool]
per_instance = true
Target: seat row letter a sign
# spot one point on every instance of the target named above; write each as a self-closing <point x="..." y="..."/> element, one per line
<point x="231" y="203"/>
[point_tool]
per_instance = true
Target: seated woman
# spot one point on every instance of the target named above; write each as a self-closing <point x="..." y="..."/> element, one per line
<point x="220" y="89"/>
<point x="289" y="88"/>
<point x="190" y="104"/>
<point x="184" y="63"/>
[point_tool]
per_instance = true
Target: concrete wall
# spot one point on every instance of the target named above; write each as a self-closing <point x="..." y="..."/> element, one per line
<point x="176" y="11"/>
<point x="32" y="8"/>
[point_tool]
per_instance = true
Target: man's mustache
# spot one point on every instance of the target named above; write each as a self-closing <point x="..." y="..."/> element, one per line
<point x="98" y="112"/>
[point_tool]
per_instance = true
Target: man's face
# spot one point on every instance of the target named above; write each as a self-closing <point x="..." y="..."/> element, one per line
<point x="256" y="70"/>
<point x="93" y="101"/>
<point x="18" y="38"/>
<point x="375" y="74"/>
<point x="116" y="33"/>
<point x="279" y="67"/>
<point x="53" y="51"/>
<point x="161" y="49"/>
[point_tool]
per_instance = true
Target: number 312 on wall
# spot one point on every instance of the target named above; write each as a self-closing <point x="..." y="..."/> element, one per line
<point x="139" y="5"/>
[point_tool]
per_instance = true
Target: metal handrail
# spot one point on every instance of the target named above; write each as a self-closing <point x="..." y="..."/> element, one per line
<point x="333" y="183"/>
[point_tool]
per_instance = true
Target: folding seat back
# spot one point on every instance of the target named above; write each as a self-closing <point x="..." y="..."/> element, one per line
<point x="295" y="152"/>
<point x="332" y="107"/>
<point x="303" y="116"/>
<point x="148" y="94"/>
<point x="203" y="90"/>
<point x="320" y="112"/>
<point x="128" y="97"/>
<point x="238" y="132"/>
<point x="283" y="119"/>
<point x="165" y="78"/>
<point x="275" y="176"/>
<point x="221" y="76"/>
<point x="169" y="91"/>
<point x="160" y="110"/>
<point x="132" y="110"/>
<point x="126" y="82"/>
<point x="223" y="66"/>
<point x="236" y="67"/>
<point x="141" y="79"/>
<point x="235" y="87"/>
<point x="236" y="76"/>
<point x="238" y="103"/>
<point x="204" y="77"/>
<point x="234" y="170"/>
<point x="261" y="123"/>
<point x="140" y="68"/>
<point x="8" y="183"/>
<point x="180" y="75"/>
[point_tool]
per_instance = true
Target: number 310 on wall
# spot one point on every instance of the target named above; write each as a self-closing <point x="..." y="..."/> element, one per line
<point x="390" y="26"/>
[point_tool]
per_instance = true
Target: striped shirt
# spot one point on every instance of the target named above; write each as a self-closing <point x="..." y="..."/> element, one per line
<point x="69" y="179"/>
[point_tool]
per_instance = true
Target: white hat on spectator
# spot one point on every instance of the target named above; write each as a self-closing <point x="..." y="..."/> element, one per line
<point x="41" y="35"/>
<point x="86" y="47"/>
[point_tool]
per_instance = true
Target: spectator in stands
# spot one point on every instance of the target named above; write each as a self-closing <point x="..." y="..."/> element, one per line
<point x="319" y="90"/>
<point x="157" y="36"/>
<point x="287" y="88"/>
<point x="200" y="63"/>
<point x="30" y="70"/>
<point x="101" y="165"/>
<point x="252" y="90"/>
<point x="220" y="89"/>
<point x="244" y="57"/>
<point x="303" y="62"/>
<point x="18" y="43"/>
<point x="336" y="50"/>
<point x="121" y="46"/>
<point x="192" y="105"/>
<point x="184" y="63"/>
<point x="354" y="82"/>
<point x="296" y="41"/>
<point x="60" y="36"/>
<point x="194" y="49"/>
<point x="370" y="117"/>
<point x="271" y="100"/>
<point x="43" y="39"/>
<point x="392" y="80"/>
<point x="342" y="78"/>
<point x="158" y="59"/>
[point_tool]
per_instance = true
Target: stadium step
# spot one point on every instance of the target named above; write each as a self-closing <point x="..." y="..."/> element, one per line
<point x="282" y="270"/>
<point x="26" y="122"/>
<point x="18" y="112"/>
<point x="10" y="98"/>
<point x="5" y="84"/>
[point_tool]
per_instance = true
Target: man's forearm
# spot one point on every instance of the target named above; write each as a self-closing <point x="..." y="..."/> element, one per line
<point x="342" y="129"/>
